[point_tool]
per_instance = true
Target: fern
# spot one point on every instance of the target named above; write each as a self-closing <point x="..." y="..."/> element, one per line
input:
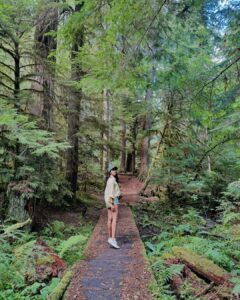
<point x="233" y="190"/>
<point x="22" y="251"/>
<point x="68" y="244"/>
<point x="163" y="275"/>
<point x="231" y="218"/>
<point x="236" y="289"/>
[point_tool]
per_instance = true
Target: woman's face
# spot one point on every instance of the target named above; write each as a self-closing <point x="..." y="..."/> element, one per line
<point x="114" y="172"/>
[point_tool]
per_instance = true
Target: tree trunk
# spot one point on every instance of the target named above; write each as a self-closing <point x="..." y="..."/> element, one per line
<point x="72" y="153"/>
<point x="17" y="203"/>
<point x="74" y="106"/>
<point x="44" y="44"/>
<point x="133" y="141"/>
<point x="208" y="157"/>
<point x="154" y="159"/>
<point x="146" y="125"/>
<point x="123" y="147"/>
<point x="129" y="163"/>
<point x="16" y="76"/>
<point x="107" y="115"/>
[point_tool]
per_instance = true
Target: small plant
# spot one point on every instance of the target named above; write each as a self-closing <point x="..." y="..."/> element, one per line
<point x="233" y="190"/>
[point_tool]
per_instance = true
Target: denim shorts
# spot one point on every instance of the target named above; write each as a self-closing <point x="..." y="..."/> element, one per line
<point x="116" y="200"/>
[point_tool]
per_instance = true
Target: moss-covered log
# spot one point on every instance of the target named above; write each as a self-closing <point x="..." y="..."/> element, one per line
<point x="60" y="289"/>
<point x="197" y="287"/>
<point x="202" y="265"/>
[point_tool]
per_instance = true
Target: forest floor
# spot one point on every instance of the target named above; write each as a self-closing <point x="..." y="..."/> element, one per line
<point x="109" y="273"/>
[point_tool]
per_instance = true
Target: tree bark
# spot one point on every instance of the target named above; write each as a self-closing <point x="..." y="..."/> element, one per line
<point x="154" y="160"/>
<point x="144" y="155"/>
<point x="74" y="107"/>
<point x="123" y="147"/>
<point x="45" y="44"/>
<point x="107" y="116"/>
<point x="16" y="76"/>
<point x="134" y="138"/>
<point x="129" y="162"/>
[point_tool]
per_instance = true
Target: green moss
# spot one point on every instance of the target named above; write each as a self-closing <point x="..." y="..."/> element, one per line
<point x="59" y="290"/>
<point x="44" y="260"/>
<point x="202" y="264"/>
<point x="235" y="230"/>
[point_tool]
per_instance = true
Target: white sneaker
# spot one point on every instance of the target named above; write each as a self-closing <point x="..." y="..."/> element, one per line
<point x="113" y="243"/>
<point x="110" y="241"/>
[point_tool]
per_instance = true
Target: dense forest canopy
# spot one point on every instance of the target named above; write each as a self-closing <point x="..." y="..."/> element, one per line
<point x="152" y="86"/>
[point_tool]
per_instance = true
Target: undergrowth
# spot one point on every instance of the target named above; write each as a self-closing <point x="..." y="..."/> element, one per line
<point x="163" y="226"/>
<point x="16" y="249"/>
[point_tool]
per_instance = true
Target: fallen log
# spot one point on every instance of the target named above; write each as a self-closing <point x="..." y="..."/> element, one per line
<point x="198" y="285"/>
<point x="202" y="266"/>
<point x="60" y="289"/>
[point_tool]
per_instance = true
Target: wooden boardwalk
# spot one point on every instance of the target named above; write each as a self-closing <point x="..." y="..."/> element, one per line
<point x="114" y="274"/>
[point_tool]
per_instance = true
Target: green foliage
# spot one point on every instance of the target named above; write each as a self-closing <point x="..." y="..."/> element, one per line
<point x="185" y="227"/>
<point x="163" y="274"/>
<point x="16" y="253"/>
<point x="74" y="243"/>
<point x="236" y="289"/>
<point x="231" y="218"/>
<point x="68" y="241"/>
<point x="233" y="191"/>
<point x="169" y="65"/>
<point x="31" y="171"/>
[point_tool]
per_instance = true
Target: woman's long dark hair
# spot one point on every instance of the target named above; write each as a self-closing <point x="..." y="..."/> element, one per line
<point x="109" y="174"/>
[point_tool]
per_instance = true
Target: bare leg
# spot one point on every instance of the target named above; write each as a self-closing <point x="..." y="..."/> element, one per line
<point x="114" y="221"/>
<point x="109" y="222"/>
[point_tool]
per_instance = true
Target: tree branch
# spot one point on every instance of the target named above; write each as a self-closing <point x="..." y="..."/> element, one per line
<point x="8" y="51"/>
<point x="225" y="140"/>
<point x="7" y="66"/>
<point x="216" y="77"/>
<point x="6" y="86"/>
<point x="7" y="77"/>
<point x="153" y="19"/>
<point x="32" y="90"/>
<point x="30" y="80"/>
<point x="29" y="65"/>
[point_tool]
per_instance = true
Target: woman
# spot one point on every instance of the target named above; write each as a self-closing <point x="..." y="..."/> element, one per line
<point x="111" y="195"/>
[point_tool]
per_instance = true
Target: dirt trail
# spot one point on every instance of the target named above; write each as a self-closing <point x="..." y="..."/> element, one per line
<point x="108" y="273"/>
